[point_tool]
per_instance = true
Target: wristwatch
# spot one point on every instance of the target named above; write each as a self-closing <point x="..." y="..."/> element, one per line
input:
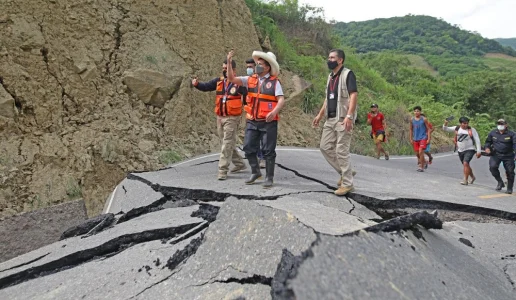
<point x="349" y="117"/>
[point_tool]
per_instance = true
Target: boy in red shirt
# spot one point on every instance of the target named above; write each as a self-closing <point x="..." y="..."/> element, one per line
<point x="378" y="130"/>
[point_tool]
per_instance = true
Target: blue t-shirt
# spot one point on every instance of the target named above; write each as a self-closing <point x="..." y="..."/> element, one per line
<point x="419" y="129"/>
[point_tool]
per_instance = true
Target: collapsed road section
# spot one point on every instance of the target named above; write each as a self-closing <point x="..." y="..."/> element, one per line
<point x="306" y="243"/>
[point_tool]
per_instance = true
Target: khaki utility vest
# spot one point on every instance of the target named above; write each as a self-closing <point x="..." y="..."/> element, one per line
<point x="342" y="96"/>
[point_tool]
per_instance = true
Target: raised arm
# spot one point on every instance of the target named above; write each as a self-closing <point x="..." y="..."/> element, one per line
<point x="231" y="75"/>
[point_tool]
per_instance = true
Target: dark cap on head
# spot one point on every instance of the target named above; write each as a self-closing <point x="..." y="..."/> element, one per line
<point x="501" y="122"/>
<point x="374" y="105"/>
<point x="463" y="120"/>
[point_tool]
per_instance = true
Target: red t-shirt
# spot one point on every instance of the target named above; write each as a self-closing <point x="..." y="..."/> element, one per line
<point x="376" y="122"/>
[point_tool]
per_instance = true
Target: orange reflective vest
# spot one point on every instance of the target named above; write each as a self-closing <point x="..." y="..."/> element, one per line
<point x="228" y="101"/>
<point x="261" y="99"/>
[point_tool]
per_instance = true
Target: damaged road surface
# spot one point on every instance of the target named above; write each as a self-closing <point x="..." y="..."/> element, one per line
<point x="165" y="236"/>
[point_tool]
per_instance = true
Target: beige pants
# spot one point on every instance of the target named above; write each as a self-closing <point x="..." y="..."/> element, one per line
<point x="335" y="143"/>
<point x="227" y="128"/>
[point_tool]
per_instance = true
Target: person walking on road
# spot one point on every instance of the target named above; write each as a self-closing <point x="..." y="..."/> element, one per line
<point x="250" y="64"/>
<point x="263" y="104"/>
<point x="501" y="145"/>
<point x="429" y="145"/>
<point x="228" y="108"/>
<point x="378" y="130"/>
<point x="468" y="145"/>
<point x="419" y="137"/>
<point x="339" y="108"/>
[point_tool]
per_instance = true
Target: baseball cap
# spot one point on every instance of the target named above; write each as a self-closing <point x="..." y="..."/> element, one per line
<point x="374" y="105"/>
<point x="501" y="122"/>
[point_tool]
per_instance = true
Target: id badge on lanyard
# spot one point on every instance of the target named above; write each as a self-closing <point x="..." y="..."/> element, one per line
<point x="331" y="95"/>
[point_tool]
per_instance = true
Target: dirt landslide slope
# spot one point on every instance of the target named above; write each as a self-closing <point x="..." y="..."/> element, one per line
<point x="91" y="90"/>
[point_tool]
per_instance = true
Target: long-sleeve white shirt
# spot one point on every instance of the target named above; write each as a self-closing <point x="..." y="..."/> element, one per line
<point x="464" y="141"/>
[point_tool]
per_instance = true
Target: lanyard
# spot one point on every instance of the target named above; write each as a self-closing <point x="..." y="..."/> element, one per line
<point x="226" y="87"/>
<point x="333" y="82"/>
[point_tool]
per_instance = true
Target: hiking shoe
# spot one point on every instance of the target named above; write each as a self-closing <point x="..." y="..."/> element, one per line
<point x="343" y="190"/>
<point x="237" y="169"/>
<point x="222" y="176"/>
<point x="386" y="155"/>
<point x="262" y="163"/>
<point x="420" y="170"/>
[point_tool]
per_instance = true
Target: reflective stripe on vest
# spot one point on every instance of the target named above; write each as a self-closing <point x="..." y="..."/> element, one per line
<point x="228" y="101"/>
<point x="261" y="99"/>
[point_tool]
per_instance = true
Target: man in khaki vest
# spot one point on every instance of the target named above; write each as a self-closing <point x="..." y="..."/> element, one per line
<point x="340" y="110"/>
<point x="228" y="108"/>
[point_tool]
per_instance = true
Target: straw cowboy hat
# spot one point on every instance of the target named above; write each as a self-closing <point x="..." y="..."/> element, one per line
<point x="270" y="58"/>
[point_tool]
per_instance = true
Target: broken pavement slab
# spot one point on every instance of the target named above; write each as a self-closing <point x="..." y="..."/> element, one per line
<point x="119" y="276"/>
<point x="392" y="266"/>
<point x="308" y="210"/>
<point x="243" y="245"/>
<point x="77" y="250"/>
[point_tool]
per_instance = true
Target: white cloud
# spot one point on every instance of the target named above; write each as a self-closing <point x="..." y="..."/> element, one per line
<point x="491" y="18"/>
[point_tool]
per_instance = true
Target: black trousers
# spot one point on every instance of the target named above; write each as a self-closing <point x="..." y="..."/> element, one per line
<point x="508" y="164"/>
<point x="264" y="132"/>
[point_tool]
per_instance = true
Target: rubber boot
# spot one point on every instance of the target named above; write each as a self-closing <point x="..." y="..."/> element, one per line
<point x="269" y="172"/>
<point x="509" y="187"/>
<point x="255" y="170"/>
<point x="500" y="185"/>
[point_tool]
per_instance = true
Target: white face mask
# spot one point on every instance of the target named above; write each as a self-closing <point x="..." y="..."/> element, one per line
<point x="250" y="71"/>
<point x="501" y="127"/>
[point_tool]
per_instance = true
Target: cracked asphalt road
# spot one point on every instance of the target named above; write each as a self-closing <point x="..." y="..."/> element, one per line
<point x="179" y="233"/>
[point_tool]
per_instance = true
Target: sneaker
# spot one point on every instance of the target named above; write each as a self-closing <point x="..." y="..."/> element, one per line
<point x="344" y="190"/>
<point x="262" y="163"/>
<point x="472" y="180"/>
<point x="237" y="169"/>
<point x="430" y="160"/>
<point x="426" y="165"/>
<point x="222" y="176"/>
<point x="464" y="182"/>
<point x="420" y="170"/>
<point x="386" y="155"/>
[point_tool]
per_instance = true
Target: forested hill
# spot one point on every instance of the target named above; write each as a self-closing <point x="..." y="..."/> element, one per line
<point x="416" y="34"/>
<point x="510" y="42"/>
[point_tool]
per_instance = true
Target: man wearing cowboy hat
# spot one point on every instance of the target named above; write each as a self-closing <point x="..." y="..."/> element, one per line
<point x="501" y="146"/>
<point x="340" y="110"/>
<point x="264" y="102"/>
<point x="228" y="108"/>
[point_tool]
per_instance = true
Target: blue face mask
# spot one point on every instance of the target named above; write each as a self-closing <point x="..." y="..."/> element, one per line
<point x="250" y="71"/>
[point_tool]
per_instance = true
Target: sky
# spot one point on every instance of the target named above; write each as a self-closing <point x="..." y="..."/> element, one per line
<point x="491" y="18"/>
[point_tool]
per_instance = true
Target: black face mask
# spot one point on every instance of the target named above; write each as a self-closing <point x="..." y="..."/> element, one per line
<point x="225" y="74"/>
<point x="332" y="64"/>
<point x="259" y="69"/>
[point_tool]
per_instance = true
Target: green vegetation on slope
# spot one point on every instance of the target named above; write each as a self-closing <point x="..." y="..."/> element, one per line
<point x="396" y="81"/>
<point x="510" y="42"/>
<point x="416" y="34"/>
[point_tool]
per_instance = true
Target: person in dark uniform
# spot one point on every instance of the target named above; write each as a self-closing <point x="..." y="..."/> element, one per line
<point x="500" y="145"/>
<point x="264" y="101"/>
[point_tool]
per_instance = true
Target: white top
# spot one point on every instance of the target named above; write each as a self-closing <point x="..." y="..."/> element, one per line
<point x="464" y="141"/>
